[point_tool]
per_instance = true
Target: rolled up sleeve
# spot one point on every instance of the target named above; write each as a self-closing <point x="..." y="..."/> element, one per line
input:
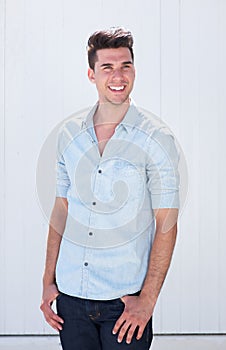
<point x="62" y="178"/>
<point x="162" y="171"/>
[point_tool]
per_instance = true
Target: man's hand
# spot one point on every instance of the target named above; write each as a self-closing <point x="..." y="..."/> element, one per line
<point x="137" y="313"/>
<point x="49" y="295"/>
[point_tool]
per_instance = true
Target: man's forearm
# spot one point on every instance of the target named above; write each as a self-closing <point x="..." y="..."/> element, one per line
<point x="56" y="230"/>
<point x="159" y="263"/>
<point x="50" y="289"/>
<point x="139" y="309"/>
<point x="53" y="246"/>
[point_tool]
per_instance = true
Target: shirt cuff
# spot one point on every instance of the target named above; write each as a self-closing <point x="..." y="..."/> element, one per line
<point x="61" y="191"/>
<point x="166" y="200"/>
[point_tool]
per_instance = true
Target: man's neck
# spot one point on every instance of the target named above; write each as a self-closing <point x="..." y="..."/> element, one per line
<point x="110" y="114"/>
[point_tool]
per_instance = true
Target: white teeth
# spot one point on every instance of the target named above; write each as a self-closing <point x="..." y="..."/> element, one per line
<point x="117" y="88"/>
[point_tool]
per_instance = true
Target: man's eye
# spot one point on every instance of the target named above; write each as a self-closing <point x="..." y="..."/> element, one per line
<point x="107" y="68"/>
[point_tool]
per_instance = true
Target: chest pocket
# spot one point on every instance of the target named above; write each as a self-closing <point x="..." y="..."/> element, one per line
<point x="133" y="176"/>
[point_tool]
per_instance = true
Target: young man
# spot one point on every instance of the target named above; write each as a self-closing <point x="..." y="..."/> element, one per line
<point x="113" y="226"/>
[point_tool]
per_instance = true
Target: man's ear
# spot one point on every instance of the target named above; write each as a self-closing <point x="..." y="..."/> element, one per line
<point x="91" y="75"/>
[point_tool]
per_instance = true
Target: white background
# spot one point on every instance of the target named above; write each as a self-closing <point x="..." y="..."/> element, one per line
<point x="180" y="55"/>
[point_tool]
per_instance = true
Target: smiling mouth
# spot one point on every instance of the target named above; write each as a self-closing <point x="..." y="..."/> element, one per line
<point x="117" y="88"/>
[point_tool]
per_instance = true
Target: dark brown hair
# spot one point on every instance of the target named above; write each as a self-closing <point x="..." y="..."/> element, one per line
<point x="112" y="38"/>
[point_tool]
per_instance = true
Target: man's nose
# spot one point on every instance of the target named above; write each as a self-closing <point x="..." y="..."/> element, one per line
<point x="117" y="74"/>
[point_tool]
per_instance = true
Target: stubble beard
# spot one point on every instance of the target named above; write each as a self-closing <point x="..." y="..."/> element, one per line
<point x="125" y="100"/>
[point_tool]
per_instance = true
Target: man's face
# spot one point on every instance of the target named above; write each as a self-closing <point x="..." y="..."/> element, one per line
<point x="113" y="74"/>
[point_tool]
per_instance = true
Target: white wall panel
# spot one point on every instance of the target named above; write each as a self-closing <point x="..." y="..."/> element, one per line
<point x="169" y="302"/>
<point x="2" y="159"/>
<point x="15" y="179"/>
<point x="189" y="137"/>
<point x="201" y="77"/>
<point x="208" y="145"/>
<point x="221" y="187"/>
<point x="180" y="58"/>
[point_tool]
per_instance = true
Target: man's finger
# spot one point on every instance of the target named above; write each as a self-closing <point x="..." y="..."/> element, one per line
<point x="123" y="331"/>
<point x="51" y="317"/>
<point x="57" y="318"/>
<point x="54" y="321"/>
<point x="57" y="326"/>
<point x="131" y="333"/>
<point x="119" y="323"/>
<point x="140" y="332"/>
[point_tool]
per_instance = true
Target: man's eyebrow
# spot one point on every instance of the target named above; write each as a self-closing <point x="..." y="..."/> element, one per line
<point x="127" y="62"/>
<point x="111" y="64"/>
<point x="106" y="64"/>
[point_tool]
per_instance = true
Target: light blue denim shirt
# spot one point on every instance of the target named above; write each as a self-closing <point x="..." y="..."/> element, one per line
<point x="110" y="226"/>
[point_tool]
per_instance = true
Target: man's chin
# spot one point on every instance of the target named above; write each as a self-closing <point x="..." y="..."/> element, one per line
<point x="119" y="102"/>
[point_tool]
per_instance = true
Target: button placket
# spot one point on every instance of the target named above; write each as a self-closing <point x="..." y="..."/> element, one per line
<point x="98" y="179"/>
<point x="87" y="259"/>
<point x="96" y="185"/>
<point x="85" y="273"/>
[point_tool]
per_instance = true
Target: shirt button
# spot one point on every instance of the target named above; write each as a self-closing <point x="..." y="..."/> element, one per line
<point x="90" y="233"/>
<point x="94" y="203"/>
<point x="99" y="171"/>
<point x="86" y="264"/>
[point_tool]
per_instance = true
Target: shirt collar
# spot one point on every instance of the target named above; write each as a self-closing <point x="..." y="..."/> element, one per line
<point x="131" y="117"/>
<point x="128" y="122"/>
<point x="88" y="121"/>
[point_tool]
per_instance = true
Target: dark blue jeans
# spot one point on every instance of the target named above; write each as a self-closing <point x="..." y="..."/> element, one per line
<point x="88" y="325"/>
